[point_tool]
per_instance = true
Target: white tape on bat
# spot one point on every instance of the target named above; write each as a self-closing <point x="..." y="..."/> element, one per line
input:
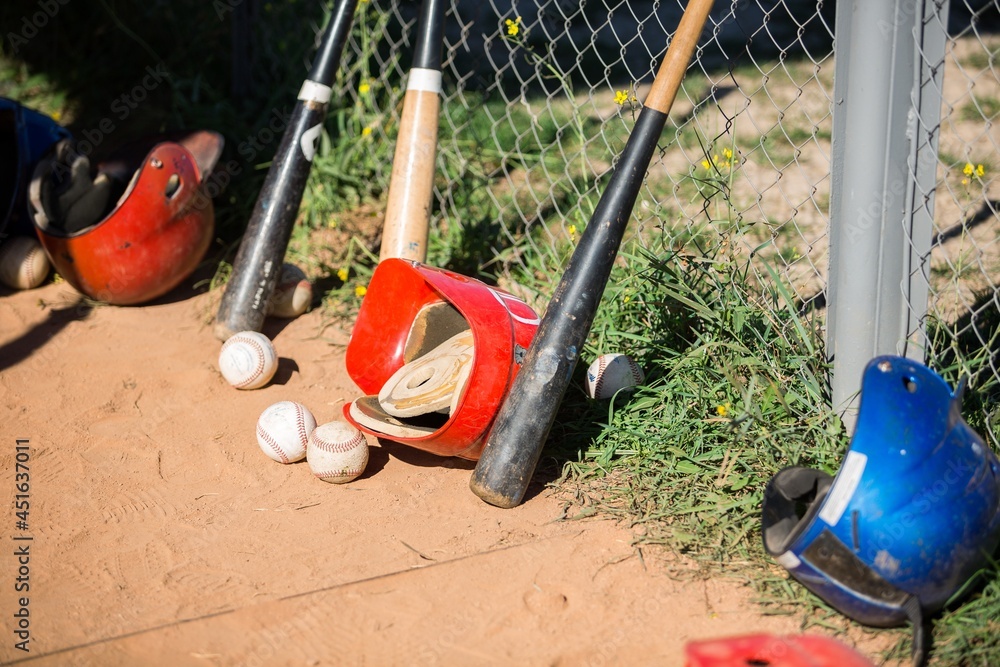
<point x="315" y="92"/>
<point x="424" y="79"/>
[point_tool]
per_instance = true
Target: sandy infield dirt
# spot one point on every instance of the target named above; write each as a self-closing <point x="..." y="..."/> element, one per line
<point x="161" y="535"/>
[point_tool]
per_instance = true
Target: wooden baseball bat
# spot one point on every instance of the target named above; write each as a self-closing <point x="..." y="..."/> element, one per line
<point x="257" y="266"/>
<point x="515" y="442"/>
<point x="411" y="184"/>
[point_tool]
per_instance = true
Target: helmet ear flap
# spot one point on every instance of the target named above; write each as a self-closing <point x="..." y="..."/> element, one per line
<point x="791" y="499"/>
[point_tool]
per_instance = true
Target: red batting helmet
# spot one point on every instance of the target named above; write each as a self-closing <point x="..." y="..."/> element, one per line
<point x="137" y="228"/>
<point x="411" y="308"/>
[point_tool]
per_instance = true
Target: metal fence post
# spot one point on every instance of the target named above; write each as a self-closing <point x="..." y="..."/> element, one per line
<point x="881" y="207"/>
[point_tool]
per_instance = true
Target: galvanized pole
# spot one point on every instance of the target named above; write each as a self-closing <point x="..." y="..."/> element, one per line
<point x="881" y="201"/>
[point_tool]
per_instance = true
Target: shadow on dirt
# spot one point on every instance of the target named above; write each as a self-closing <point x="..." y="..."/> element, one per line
<point x="35" y="339"/>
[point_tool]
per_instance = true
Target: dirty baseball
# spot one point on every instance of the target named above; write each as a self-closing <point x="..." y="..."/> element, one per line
<point x="248" y="360"/>
<point x="610" y="373"/>
<point x="283" y="431"/>
<point x="337" y="452"/>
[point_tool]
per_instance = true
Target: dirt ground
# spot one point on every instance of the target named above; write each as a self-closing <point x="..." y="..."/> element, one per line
<point x="159" y="534"/>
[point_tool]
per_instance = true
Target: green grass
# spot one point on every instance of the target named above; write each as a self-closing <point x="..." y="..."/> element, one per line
<point x="980" y="108"/>
<point x="731" y="397"/>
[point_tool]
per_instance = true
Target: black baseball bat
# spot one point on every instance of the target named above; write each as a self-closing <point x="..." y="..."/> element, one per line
<point x="411" y="186"/>
<point x="257" y="266"/>
<point x="515" y="442"/>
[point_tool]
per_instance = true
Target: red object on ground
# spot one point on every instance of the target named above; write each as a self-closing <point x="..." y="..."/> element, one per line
<point x="502" y="327"/>
<point x="773" y="651"/>
<point x="157" y="233"/>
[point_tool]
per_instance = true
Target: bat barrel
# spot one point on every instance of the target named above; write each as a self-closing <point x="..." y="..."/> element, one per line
<point x="257" y="265"/>
<point x="522" y="425"/>
<point x="514" y="445"/>
<point x="258" y="261"/>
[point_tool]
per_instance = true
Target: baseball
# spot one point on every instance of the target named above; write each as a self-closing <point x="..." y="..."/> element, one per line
<point x="292" y="295"/>
<point x="610" y="373"/>
<point x="23" y="263"/>
<point x="283" y="430"/>
<point x="248" y="360"/>
<point x="337" y="452"/>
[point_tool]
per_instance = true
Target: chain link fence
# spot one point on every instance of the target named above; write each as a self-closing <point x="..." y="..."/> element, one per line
<point x="540" y="96"/>
<point x="963" y="271"/>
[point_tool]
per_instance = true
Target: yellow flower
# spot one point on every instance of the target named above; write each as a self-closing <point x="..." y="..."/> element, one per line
<point x="342" y="274"/>
<point x="980" y="172"/>
<point x="365" y="132"/>
<point x="621" y="97"/>
<point x="626" y="298"/>
<point x="572" y="230"/>
<point x="968" y="169"/>
<point x="364" y="88"/>
<point x="513" y="27"/>
<point x="728" y="153"/>
<point x="965" y="181"/>
<point x="57" y="116"/>
<point x="722" y="410"/>
<point x="360" y="290"/>
<point x="706" y="164"/>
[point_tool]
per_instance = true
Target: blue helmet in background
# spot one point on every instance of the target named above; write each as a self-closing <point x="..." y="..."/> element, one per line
<point x="25" y="136"/>
<point x="913" y="513"/>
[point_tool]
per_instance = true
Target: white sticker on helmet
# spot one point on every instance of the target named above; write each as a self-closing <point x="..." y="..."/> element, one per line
<point x="788" y="560"/>
<point x="523" y="320"/>
<point x="843" y="488"/>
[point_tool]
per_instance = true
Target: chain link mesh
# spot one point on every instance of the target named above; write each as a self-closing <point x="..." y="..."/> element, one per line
<point x="964" y="267"/>
<point x="540" y="97"/>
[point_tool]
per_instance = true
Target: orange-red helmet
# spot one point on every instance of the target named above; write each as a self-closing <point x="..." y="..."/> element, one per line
<point x="410" y="309"/>
<point x="137" y="227"/>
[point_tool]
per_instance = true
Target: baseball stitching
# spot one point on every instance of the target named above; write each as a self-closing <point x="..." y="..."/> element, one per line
<point x="260" y="358"/>
<point x="601" y="367"/>
<point x="30" y="265"/>
<point x="636" y="373"/>
<point x="340" y="472"/>
<point x="333" y="447"/>
<point x="261" y="433"/>
<point x="300" y="424"/>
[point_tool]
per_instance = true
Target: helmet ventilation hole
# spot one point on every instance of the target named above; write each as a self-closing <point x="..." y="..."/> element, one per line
<point x="910" y="384"/>
<point x="173" y="185"/>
